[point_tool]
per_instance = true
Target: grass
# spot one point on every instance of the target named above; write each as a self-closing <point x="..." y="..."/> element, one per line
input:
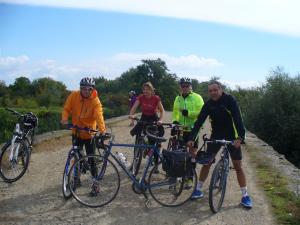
<point x="285" y="204"/>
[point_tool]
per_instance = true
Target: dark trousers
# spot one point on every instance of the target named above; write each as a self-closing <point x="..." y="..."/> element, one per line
<point x="89" y="149"/>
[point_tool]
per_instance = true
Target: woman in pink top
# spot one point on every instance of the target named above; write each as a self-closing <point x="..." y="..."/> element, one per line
<point x="150" y="105"/>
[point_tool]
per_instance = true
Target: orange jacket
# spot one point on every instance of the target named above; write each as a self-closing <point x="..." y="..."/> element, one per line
<point x="85" y="112"/>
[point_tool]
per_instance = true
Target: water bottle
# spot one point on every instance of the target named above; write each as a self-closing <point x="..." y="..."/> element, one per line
<point x="123" y="159"/>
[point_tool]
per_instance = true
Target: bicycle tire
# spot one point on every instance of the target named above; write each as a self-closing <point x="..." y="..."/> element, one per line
<point x="137" y="156"/>
<point x="17" y="167"/>
<point x="167" y="191"/>
<point x="108" y="183"/>
<point x="65" y="182"/>
<point x="218" y="183"/>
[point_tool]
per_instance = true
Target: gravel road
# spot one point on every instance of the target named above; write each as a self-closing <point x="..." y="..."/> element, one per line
<point x="37" y="198"/>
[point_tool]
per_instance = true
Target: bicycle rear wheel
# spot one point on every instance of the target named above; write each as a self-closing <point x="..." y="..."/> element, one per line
<point x="13" y="169"/>
<point x="217" y="187"/>
<point x="98" y="190"/>
<point x="137" y="156"/>
<point x="65" y="184"/>
<point x="170" y="191"/>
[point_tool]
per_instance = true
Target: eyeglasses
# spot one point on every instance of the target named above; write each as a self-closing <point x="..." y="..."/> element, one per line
<point x="184" y="86"/>
<point x="86" y="88"/>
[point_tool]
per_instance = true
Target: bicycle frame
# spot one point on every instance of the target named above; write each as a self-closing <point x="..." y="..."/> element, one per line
<point x="140" y="183"/>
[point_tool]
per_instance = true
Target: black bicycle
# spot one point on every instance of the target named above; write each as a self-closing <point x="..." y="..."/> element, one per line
<point x="141" y="140"/>
<point x="218" y="182"/>
<point x="15" y="154"/>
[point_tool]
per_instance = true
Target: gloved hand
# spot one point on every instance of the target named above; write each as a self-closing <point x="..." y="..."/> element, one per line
<point x="185" y="112"/>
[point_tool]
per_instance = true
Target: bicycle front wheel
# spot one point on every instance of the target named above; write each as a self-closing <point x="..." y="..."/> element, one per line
<point x="98" y="184"/>
<point x="171" y="191"/>
<point x="13" y="168"/>
<point x="65" y="184"/>
<point x="217" y="187"/>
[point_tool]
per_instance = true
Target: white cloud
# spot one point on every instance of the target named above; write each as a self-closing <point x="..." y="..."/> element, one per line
<point x="268" y="15"/>
<point x="9" y="61"/>
<point x="110" y="67"/>
<point x="243" y="84"/>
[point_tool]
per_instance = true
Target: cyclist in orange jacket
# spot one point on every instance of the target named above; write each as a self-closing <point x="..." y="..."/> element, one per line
<point x="85" y="108"/>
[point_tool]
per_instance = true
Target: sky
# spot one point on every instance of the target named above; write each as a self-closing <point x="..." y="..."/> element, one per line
<point x="237" y="40"/>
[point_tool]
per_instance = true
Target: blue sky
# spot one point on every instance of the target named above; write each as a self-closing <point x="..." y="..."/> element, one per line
<point x="66" y="42"/>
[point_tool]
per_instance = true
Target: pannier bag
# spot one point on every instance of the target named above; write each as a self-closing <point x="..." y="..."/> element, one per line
<point x="177" y="163"/>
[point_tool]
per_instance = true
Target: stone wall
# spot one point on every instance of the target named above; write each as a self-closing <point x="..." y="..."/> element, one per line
<point x="278" y="161"/>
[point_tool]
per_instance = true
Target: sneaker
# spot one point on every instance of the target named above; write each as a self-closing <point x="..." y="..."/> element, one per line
<point x="197" y="194"/>
<point x="246" y="202"/>
<point x="188" y="184"/>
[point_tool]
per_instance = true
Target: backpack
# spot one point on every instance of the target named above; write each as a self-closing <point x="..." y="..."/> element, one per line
<point x="177" y="163"/>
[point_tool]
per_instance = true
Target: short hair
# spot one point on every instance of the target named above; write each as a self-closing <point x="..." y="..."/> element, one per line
<point x="149" y="85"/>
<point x="211" y="82"/>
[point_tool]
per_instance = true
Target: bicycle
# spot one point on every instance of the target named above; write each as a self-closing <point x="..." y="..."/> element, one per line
<point x="176" y="141"/>
<point x="140" y="140"/>
<point x="218" y="182"/>
<point x="99" y="190"/>
<point x="74" y="154"/>
<point x="15" y="154"/>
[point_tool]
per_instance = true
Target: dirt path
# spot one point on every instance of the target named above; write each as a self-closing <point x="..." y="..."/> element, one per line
<point x="37" y="197"/>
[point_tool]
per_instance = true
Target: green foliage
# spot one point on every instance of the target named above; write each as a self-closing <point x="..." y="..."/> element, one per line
<point x="273" y="112"/>
<point x="114" y="93"/>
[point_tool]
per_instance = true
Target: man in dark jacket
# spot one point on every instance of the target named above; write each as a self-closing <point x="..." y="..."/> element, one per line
<point x="226" y="123"/>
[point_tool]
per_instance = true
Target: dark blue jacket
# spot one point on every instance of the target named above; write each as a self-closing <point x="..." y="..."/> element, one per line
<point x="225" y="117"/>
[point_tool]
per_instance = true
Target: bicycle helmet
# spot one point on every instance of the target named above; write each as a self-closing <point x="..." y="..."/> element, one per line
<point x="87" y="81"/>
<point x="132" y="92"/>
<point x="185" y="80"/>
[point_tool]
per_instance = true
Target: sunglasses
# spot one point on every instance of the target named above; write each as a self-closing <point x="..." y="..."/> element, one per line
<point x="84" y="88"/>
<point x="185" y="86"/>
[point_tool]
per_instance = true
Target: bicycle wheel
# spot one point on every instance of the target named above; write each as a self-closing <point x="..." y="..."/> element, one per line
<point x="170" y="191"/>
<point x="65" y="185"/>
<point x="13" y="169"/>
<point x="137" y="156"/>
<point x="217" y="187"/>
<point x="98" y="190"/>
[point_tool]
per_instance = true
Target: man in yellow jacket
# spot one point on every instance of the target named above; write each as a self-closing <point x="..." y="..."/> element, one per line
<point x="85" y="108"/>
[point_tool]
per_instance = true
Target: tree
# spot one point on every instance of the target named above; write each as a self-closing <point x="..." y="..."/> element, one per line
<point x="3" y="88"/>
<point x="49" y="92"/>
<point x="21" y="87"/>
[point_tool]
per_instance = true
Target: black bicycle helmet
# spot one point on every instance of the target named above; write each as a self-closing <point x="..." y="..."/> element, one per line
<point x="185" y="80"/>
<point x="87" y="81"/>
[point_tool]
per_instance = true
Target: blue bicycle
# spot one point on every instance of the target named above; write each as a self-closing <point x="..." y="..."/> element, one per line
<point x="101" y="189"/>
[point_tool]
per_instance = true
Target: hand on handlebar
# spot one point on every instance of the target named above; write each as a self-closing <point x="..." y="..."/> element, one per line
<point x="64" y="122"/>
<point x="131" y="117"/>
<point x="237" y="143"/>
<point x="159" y="122"/>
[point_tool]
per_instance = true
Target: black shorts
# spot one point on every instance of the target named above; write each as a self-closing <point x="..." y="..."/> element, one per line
<point x="235" y="153"/>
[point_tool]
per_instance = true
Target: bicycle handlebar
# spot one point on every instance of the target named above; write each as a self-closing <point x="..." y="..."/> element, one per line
<point x="216" y="141"/>
<point x="70" y="126"/>
<point x="156" y="138"/>
<point x="14" y="112"/>
<point x="170" y="125"/>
